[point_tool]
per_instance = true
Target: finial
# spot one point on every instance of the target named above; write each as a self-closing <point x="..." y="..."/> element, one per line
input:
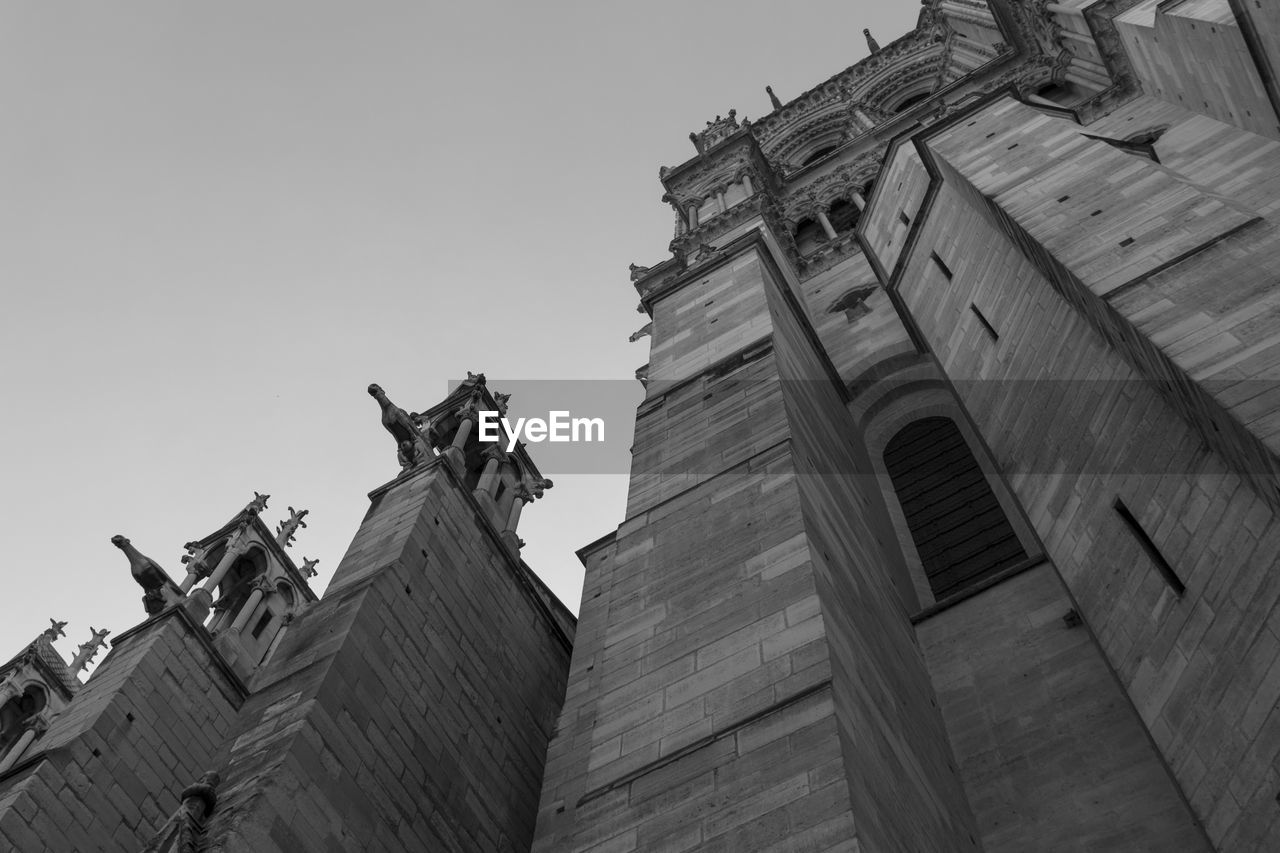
<point x="258" y="504"/>
<point x="159" y="590"/>
<point x="773" y="99"/>
<point x="286" y="529"/>
<point x="55" y="630"/>
<point x="872" y="44"/>
<point x="309" y="567"/>
<point x="411" y="448"/>
<point x="89" y="650"/>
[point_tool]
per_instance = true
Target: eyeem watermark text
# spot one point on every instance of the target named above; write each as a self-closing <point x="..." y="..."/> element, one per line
<point x="559" y="426"/>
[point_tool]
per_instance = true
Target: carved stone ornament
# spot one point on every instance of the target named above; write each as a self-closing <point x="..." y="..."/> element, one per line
<point x="159" y="590"/>
<point x="411" y="447"/>
<point x="288" y="528"/>
<point x="195" y="559"/>
<point x="258" y="504"/>
<point x="88" y="650"/>
<point x="55" y="630"/>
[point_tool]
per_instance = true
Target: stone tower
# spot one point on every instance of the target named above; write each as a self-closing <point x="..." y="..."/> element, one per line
<point x="408" y="708"/>
<point x="951" y="522"/>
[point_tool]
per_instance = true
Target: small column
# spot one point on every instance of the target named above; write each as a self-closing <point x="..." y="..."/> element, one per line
<point x="721" y="202"/>
<point x="693" y="216"/>
<point x="487" y="487"/>
<point x="261" y="587"/>
<point x="196" y="566"/>
<point x="32" y="729"/>
<point x="826" y="225"/>
<point x="522" y="495"/>
<point x="746" y="185"/>
<point x="202" y="598"/>
<point x="858" y="201"/>
<point x="456" y="452"/>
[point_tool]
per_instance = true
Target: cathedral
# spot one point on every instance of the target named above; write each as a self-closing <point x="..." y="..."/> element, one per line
<point x="952" y="525"/>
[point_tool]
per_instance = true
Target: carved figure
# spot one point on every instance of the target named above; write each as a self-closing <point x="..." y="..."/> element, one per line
<point x="501" y="401"/>
<point x="158" y="589"/>
<point x="55" y="630"/>
<point x="309" y="567"/>
<point x="258" y="504"/>
<point x="410" y="448"/>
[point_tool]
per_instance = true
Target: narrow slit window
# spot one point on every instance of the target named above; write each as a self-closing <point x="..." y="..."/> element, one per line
<point x="941" y="265"/>
<point x="986" y="324"/>
<point x="1157" y="558"/>
<point x="903" y="218"/>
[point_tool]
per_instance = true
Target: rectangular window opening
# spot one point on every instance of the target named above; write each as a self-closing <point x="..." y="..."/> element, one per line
<point x="902" y="216"/>
<point x="986" y="324"/>
<point x="938" y="262"/>
<point x="1161" y="564"/>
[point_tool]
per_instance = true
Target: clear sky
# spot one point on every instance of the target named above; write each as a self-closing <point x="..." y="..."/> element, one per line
<point x="219" y="222"/>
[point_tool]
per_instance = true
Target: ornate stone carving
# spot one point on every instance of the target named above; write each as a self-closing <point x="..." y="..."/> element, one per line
<point x="308" y="568"/>
<point x="158" y="589"/>
<point x="88" y="650"/>
<point x="411" y="447"/>
<point x="773" y="99"/>
<point x="258" y="504"/>
<point x="872" y="44"/>
<point x="195" y="558"/>
<point x="500" y="400"/>
<point x="288" y="528"/>
<point x="646" y="329"/>
<point x="55" y="630"/>
<point x="715" y="132"/>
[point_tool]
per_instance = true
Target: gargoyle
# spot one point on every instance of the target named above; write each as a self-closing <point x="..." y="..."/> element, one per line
<point x="159" y="590"/>
<point x="410" y="446"/>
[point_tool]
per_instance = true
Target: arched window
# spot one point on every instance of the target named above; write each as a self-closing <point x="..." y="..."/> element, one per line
<point x="843" y="216"/>
<point x="956" y="523"/>
<point x="809" y="235"/>
<point x="910" y="102"/>
<point x="818" y="155"/>
<point x="17" y="711"/>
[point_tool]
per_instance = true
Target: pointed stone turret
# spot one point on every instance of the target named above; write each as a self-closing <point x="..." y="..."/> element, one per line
<point x="872" y="44"/>
<point x="773" y="99"/>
